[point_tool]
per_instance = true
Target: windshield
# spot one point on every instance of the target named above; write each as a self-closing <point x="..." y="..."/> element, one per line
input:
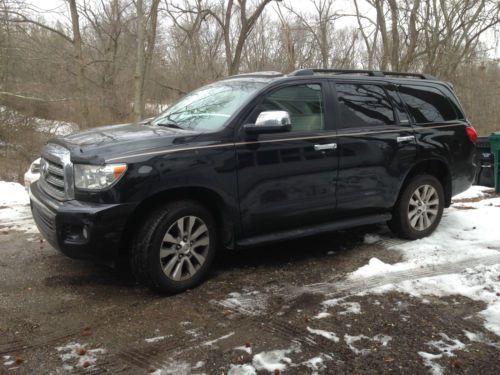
<point x="208" y="108"/>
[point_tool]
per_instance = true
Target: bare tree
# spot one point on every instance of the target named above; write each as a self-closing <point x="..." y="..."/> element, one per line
<point x="146" y="26"/>
<point x="225" y="15"/>
<point x="78" y="55"/>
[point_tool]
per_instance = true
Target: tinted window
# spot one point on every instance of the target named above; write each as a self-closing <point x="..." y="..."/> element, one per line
<point x="304" y="103"/>
<point x="363" y="105"/>
<point x="426" y="104"/>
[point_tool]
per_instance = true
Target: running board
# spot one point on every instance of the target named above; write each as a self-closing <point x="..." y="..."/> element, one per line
<point x="313" y="230"/>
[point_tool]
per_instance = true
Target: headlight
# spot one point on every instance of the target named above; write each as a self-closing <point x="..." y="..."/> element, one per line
<point x="97" y="177"/>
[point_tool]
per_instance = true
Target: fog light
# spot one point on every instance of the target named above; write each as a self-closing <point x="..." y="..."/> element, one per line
<point x="85" y="233"/>
<point x="75" y="233"/>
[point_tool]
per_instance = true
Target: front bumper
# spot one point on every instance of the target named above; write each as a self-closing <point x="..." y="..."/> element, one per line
<point x="80" y="230"/>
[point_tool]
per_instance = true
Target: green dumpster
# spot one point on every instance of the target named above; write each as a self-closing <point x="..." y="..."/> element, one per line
<point x="495" y="150"/>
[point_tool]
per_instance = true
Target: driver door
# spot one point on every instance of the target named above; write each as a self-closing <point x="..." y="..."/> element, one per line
<point x="288" y="179"/>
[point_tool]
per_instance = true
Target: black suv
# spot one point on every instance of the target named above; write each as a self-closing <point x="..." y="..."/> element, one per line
<point x="253" y="159"/>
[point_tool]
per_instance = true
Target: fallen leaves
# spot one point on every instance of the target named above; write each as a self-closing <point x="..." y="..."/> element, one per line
<point x="86" y="331"/>
<point x="456" y="363"/>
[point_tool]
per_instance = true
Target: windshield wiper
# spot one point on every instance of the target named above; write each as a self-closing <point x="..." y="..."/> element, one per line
<point x="172" y="125"/>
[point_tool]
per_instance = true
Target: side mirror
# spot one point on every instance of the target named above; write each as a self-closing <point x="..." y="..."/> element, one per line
<point x="270" y="122"/>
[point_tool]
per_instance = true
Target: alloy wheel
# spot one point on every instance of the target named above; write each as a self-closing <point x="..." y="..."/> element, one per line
<point x="184" y="248"/>
<point x="423" y="207"/>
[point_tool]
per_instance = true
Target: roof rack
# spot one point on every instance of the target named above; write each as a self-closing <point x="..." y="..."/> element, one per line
<point x="263" y="74"/>
<point x="371" y="73"/>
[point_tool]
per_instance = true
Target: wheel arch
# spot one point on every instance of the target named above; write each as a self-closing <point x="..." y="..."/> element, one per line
<point x="435" y="167"/>
<point x="204" y="196"/>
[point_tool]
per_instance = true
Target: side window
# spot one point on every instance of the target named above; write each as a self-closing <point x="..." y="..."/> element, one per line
<point x="426" y="104"/>
<point x="304" y="103"/>
<point x="363" y="106"/>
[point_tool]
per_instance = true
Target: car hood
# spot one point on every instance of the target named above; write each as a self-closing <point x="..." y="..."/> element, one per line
<point x="98" y="144"/>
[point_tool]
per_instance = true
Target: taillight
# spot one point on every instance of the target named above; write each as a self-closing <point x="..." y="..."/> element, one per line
<point x="471" y="132"/>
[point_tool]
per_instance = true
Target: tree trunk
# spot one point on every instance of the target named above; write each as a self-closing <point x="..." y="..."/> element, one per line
<point x="139" y="64"/>
<point x="78" y="55"/>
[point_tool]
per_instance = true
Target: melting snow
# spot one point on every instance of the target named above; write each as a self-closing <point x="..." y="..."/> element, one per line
<point x="371" y="238"/>
<point x="446" y="346"/>
<point x="272" y="360"/>
<point x="472" y="192"/>
<point x="249" y="303"/>
<point x="351" y="340"/>
<point x="8" y="360"/>
<point x="349" y="307"/>
<point x="247" y="349"/>
<point x="328" y="335"/>
<point x="211" y="342"/>
<point x="242" y="370"/>
<point x="15" y="213"/>
<point x="461" y="235"/>
<point x="70" y="355"/>
<point x="156" y="339"/>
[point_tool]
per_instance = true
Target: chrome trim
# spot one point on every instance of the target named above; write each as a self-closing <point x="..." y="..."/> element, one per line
<point x="405" y="139"/>
<point x="328" y="146"/>
<point x="235" y="144"/>
<point x="59" y="164"/>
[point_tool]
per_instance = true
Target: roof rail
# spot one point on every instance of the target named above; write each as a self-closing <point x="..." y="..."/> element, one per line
<point x="263" y="74"/>
<point x="372" y="73"/>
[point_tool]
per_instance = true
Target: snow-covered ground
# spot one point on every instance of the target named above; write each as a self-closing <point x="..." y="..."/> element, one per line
<point x="15" y="213"/>
<point x="469" y="230"/>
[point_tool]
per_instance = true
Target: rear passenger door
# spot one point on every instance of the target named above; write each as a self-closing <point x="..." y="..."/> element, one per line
<point x="376" y="147"/>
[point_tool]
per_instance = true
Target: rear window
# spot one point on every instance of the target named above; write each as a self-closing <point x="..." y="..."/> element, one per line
<point x="363" y="106"/>
<point x="426" y="104"/>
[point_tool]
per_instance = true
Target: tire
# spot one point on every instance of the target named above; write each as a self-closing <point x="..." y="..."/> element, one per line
<point x="158" y="247"/>
<point x="425" y="221"/>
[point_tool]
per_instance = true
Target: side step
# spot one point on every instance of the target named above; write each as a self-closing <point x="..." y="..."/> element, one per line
<point x="313" y="230"/>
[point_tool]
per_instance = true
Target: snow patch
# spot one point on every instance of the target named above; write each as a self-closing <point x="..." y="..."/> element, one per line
<point x="71" y="357"/>
<point x="15" y="212"/>
<point x="247" y="349"/>
<point x="326" y="334"/>
<point x="349" y="307"/>
<point x="156" y="339"/>
<point x="8" y="360"/>
<point x="371" y="238"/>
<point x="272" y="360"/>
<point x="461" y="235"/>
<point x="446" y="346"/>
<point x="13" y="193"/>
<point x="248" y="303"/>
<point x="212" y="342"/>
<point x="472" y="192"/>
<point x="322" y="315"/>
<point x="351" y="340"/>
<point x="480" y="283"/>
<point x="175" y="367"/>
<point x="242" y="370"/>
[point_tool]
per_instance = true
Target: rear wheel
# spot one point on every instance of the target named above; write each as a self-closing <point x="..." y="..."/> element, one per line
<point x="419" y="208"/>
<point x="175" y="247"/>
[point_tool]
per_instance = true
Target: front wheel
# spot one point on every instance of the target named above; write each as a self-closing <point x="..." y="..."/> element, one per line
<point x="419" y="208"/>
<point x="175" y="247"/>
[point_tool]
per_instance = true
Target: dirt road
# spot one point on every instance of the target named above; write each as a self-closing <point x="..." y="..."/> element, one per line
<point x="285" y="307"/>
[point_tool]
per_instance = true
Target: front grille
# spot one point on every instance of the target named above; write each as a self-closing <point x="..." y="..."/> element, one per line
<point x="52" y="178"/>
<point x="56" y="172"/>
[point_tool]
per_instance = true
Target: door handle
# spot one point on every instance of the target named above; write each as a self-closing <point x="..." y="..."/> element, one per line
<point x="407" y="138"/>
<point x="327" y="146"/>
